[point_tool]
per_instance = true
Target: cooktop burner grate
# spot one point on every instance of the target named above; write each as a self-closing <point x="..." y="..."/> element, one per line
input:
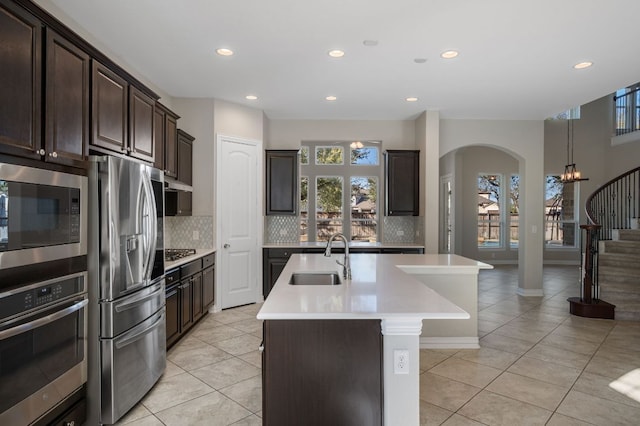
<point x="175" y="254"/>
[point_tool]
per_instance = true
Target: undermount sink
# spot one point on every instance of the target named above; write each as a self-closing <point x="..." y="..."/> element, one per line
<point x="315" y="278"/>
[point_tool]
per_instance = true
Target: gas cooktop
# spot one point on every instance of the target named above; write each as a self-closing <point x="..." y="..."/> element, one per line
<point x="175" y="254"/>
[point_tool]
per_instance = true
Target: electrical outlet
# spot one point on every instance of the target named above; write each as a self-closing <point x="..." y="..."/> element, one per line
<point x="401" y="361"/>
<point x="400" y="233"/>
<point x="196" y="236"/>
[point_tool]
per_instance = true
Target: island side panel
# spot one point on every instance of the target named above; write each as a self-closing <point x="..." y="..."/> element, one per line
<point x="321" y="372"/>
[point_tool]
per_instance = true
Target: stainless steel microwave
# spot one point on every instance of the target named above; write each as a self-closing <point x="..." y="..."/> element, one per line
<point x="43" y="215"/>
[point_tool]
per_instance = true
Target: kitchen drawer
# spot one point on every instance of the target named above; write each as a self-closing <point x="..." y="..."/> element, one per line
<point x="191" y="268"/>
<point x="209" y="260"/>
<point x="283" y="252"/>
<point x="172" y="277"/>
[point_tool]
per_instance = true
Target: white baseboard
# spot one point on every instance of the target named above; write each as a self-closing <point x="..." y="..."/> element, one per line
<point x="530" y="292"/>
<point x="449" y="343"/>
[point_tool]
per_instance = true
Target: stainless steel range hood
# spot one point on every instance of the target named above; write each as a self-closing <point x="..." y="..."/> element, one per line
<point x="170" y="184"/>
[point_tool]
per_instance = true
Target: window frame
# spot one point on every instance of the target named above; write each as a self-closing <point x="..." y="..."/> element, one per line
<point x="346" y="171"/>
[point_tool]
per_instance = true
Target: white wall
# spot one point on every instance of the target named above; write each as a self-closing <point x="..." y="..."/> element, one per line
<point x="287" y="134"/>
<point x="524" y="140"/>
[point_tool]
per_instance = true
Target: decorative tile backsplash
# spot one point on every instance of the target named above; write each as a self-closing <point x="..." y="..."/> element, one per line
<point x="281" y="229"/>
<point x="395" y="229"/>
<point x="188" y="232"/>
<point x="400" y="229"/>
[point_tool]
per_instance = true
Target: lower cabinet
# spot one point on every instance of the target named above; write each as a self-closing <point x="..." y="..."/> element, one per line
<point x="189" y="294"/>
<point x="327" y="372"/>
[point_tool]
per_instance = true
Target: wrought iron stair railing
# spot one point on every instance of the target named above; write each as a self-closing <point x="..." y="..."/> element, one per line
<point x="615" y="205"/>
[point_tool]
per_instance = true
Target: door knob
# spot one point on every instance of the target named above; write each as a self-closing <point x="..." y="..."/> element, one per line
<point x="227" y="245"/>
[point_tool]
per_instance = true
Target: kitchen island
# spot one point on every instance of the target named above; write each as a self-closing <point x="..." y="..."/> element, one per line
<point x="331" y="348"/>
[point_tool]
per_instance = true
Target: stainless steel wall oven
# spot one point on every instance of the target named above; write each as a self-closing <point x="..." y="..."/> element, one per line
<point x="43" y="347"/>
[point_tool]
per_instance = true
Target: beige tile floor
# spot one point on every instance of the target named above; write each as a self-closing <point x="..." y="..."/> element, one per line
<point x="537" y="365"/>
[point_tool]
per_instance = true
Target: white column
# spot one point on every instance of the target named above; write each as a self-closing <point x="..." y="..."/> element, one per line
<point x="401" y="391"/>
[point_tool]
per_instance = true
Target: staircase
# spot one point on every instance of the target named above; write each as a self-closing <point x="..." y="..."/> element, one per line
<point x="619" y="273"/>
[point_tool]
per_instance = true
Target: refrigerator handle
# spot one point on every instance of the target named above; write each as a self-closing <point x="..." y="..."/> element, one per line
<point x="151" y="231"/>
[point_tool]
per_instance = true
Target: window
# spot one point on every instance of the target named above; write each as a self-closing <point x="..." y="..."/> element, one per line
<point x="627" y="105"/>
<point x="489" y="211"/>
<point x="561" y="222"/>
<point x="514" y="210"/>
<point x="336" y="175"/>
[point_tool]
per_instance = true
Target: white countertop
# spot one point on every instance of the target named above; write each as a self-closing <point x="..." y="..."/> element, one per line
<point x="185" y="260"/>
<point x="379" y="288"/>
<point x="352" y="244"/>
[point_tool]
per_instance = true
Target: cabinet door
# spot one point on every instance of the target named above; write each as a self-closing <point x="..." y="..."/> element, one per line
<point x="186" y="302"/>
<point x="402" y="189"/>
<point x="20" y="82"/>
<point x="185" y="203"/>
<point x="67" y="102"/>
<point x="185" y="157"/>
<point x="173" y="315"/>
<point x="208" y="287"/>
<point x="274" y="268"/>
<point x="109" y="94"/>
<point x="198" y="308"/>
<point x="141" y="116"/>
<point x="282" y="182"/>
<point x="159" y="117"/>
<point x="171" y="146"/>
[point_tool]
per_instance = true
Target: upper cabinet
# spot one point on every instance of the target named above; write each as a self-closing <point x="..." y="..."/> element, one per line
<point x="402" y="186"/>
<point x="141" y="109"/>
<point x="185" y="157"/>
<point x="20" y="84"/>
<point x="165" y="128"/>
<point x="281" y="182"/>
<point x="122" y="115"/>
<point x="67" y="102"/>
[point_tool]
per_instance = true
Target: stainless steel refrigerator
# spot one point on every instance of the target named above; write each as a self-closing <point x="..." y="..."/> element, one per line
<point x="127" y="326"/>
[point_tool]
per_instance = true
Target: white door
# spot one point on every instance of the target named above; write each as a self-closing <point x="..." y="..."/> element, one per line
<point x="238" y="214"/>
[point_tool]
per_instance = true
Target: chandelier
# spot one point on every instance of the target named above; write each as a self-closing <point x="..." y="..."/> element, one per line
<point x="571" y="173"/>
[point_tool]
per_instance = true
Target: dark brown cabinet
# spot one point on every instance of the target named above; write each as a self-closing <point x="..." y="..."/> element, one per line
<point x="189" y="294"/>
<point x="123" y="115"/>
<point x="141" y="114"/>
<point x="185" y="157"/>
<point x="165" y="127"/>
<point x="172" y="306"/>
<point x="402" y="183"/>
<point x="110" y="109"/>
<point x="67" y="102"/>
<point x="20" y="83"/>
<point x="281" y="182"/>
<point x="322" y="372"/>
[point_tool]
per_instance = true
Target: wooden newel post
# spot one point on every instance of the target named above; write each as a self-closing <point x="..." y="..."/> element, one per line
<point x="590" y="252"/>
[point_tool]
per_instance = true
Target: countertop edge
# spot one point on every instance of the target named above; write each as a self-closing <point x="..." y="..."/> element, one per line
<point x="177" y="263"/>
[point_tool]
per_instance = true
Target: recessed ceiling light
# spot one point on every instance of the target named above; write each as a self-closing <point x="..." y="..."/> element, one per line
<point x="336" y="53"/>
<point x="582" y="65"/>
<point x="420" y="60"/>
<point x="411" y="99"/>
<point x="251" y="97"/>
<point x="449" y="54"/>
<point x="370" y="42"/>
<point x="331" y="98"/>
<point x="223" y="51"/>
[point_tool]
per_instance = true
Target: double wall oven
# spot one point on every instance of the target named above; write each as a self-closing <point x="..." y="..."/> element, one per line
<point x="43" y="295"/>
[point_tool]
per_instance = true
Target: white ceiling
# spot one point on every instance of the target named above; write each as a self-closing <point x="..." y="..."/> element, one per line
<point x="516" y="58"/>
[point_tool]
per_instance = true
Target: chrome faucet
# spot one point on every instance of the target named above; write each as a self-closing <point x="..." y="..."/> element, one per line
<point x="346" y="266"/>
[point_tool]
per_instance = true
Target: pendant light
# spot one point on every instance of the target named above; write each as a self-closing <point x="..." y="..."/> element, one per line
<point x="571" y="173"/>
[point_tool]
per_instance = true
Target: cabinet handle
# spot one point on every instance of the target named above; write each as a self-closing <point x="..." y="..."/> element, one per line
<point x="40" y="151"/>
<point x="227" y="245"/>
<point x="261" y="348"/>
<point x="53" y="154"/>
<point x="128" y="149"/>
